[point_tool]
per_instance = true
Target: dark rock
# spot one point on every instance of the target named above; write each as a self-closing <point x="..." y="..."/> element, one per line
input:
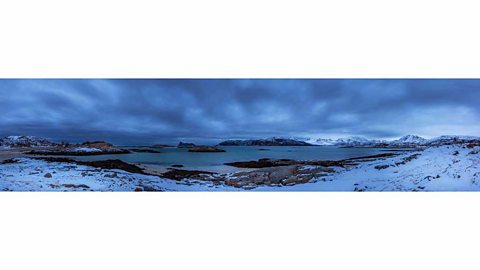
<point x="177" y="174"/>
<point x="75" y="186"/>
<point x="104" y="164"/>
<point x="177" y="165"/>
<point x="185" y="145"/>
<point x="265" y="163"/>
<point x="205" y="149"/>
<point x="9" y="161"/>
<point x="97" y="144"/>
<point x="381" y="167"/>
<point x="48" y="175"/>
<point x="149" y="188"/>
<point x="137" y="189"/>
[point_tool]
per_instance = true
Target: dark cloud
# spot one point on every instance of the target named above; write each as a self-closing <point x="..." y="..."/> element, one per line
<point x="167" y="110"/>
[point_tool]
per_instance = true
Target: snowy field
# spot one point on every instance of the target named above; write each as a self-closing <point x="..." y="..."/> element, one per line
<point x="444" y="168"/>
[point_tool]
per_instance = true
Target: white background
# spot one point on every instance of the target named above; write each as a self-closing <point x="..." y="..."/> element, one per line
<point x="242" y="39"/>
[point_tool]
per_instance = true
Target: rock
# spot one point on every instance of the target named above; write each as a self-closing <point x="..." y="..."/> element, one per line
<point x="205" y="149"/>
<point x="381" y="167"/>
<point x="113" y="175"/>
<point x="149" y="188"/>
<point x="109" y="164"/>
<point x="138" y="189"/>
<point x="97" y="144"/>
<point x="48" y="175"/>
<point x="185" y="145"/>
<point x="75" y="186"/>
<point x="177" y="174"/>
<point x="177" y="165"/>
<point x="9" y="161"/>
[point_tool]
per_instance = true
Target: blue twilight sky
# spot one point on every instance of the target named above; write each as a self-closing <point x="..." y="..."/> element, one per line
<point x="133" y="111"/>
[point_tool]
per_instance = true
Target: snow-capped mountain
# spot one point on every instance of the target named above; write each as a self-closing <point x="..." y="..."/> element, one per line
<point x="323" y="142"/>
<point x="405" y="141"/>
<point x="451" y="139"/>
<point x="25" y="141"/>
<point x="274" y="141"/>
<point x="354" y="141"/>
<point x="409" y="140"/>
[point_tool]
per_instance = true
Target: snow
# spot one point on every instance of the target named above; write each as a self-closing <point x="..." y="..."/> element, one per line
<point x="30" y="175"/>
<point x="444" y="168"/>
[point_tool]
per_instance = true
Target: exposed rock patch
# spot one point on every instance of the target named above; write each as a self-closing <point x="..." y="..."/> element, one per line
<point x="104" y="164"/>
<point x="177" y="174"/>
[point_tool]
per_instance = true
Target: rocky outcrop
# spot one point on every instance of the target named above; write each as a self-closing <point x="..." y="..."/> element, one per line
<point x="185" y="145"/>
<point x="281" y="176"/>
<point x="177" y="174"/>
<point x="104" y="164"/>
<point x="84" y="149"/>
<point x="267" y="162"/>
<point x="205" y="149"/>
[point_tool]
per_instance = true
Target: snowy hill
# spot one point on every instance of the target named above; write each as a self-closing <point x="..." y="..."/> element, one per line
<point x="25" y="141"/>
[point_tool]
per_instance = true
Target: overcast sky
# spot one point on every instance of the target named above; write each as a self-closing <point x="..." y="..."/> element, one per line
<point x="166" y="111"/>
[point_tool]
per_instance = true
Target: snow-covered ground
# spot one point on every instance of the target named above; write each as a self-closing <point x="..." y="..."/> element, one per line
<point x="444" y="168"/>
<point x="37" y="175"/>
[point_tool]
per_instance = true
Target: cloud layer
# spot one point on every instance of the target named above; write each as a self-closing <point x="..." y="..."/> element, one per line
<point x="154" y="111"/>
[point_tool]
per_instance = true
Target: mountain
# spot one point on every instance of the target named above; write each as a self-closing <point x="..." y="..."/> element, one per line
<point x="323" y="142"/>
<point x="409" y="140"/>
<point x="25" y="141"/>
<point x="452" y="139"/>
<point x="185" y="145"/>
<point x="356" y="141"/>
<point x="265" y="142"/>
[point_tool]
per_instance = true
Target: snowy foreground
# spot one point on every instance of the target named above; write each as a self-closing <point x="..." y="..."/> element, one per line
<point x="444" y="168"/>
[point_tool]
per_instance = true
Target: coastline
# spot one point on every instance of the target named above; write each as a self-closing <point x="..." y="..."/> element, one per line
<point x="449" y="167"/>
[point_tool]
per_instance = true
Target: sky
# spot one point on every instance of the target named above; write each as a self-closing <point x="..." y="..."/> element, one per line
<point x="137" y="111"/>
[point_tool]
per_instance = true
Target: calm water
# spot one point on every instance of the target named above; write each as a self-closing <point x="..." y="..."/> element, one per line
<point x="215" y="161"/>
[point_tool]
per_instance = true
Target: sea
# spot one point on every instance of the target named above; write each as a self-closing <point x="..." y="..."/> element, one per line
<point x="215" y="162"/>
